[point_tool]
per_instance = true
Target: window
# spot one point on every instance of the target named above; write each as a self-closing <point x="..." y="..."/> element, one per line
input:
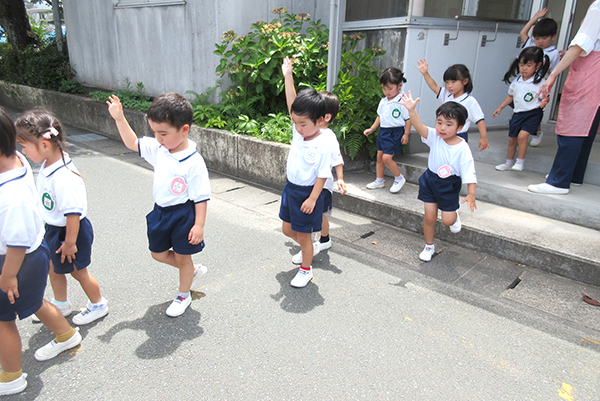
<point x="147" y="3"/>
<point x="359" y="10"/>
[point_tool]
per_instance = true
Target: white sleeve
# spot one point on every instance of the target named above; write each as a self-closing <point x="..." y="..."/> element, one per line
<point x="14" y="232"/>
<point x="429" y="140"/>
<point x="511" y="88"/>
<point x="442" y="94"/>
<point x="70" y="192"/>
<point x="467" y="167"/>
<point x="198" y="181"/>
<point x="475" y="112"/>
<point x="148" y="148"/>
<point x="588" y="34"/>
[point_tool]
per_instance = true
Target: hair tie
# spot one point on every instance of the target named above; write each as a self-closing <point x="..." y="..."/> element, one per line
<point x="49" y="133"/>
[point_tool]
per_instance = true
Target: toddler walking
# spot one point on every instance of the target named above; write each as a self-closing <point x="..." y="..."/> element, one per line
<point x="181" y="188"/>
<point x="69" y="233"/>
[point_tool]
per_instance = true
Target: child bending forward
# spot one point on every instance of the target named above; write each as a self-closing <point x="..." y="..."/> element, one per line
<point x="450" y="164"/>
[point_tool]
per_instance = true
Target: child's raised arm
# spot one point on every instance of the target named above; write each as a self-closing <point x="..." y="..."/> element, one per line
<point x="115" y="108"/>
<point x="423" y="68"/>
<point x="525" y="31"/>
<point x="410" y="104"/>
<point x="288" y="79"/>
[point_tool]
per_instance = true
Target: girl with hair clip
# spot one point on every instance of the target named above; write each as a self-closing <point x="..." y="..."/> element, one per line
<point x="69" y="233"/>
<point x="458" y="88"/>
<point x="394" y="128"/>
<point x="532" y="65"/>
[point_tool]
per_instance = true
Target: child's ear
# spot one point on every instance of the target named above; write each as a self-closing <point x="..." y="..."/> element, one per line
<point x="328" y="117"/>
<point x="185" y="129"/>
<point x="459" y="128"/>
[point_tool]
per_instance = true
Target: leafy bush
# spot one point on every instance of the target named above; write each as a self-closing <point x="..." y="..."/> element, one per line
<point x="41" y="66"/>
<point x="132" y="99"/>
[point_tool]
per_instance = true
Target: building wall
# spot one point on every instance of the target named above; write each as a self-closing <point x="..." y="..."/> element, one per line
<point x="167" y="48"/>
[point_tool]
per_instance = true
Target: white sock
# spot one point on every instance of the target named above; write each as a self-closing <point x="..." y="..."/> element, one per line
<point x="510" y="162"/>
<point x="520" y="161"/>
<point x="184" y="294"/>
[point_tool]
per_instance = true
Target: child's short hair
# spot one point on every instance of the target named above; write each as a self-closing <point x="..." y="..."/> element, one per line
<point x="544" y="27"/>
<point x="39" y="122"/>
<point x="453" y="111"/>
<point x="332" y="104"/>
<point x="392" y="75"/>
<point x="310" y="104"/>
<point x="171" y="108"/>
<point x="459" y="72"/>
<point x="8" y="135"/>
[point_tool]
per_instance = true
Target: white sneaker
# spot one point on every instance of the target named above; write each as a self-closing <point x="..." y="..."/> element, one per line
<point x="53" y="348"/>
<point x="323" y="245"/>
<point x="199" y="270"/>
<point x="91" y="312"/>
<point x="427" y="253"/>
<point x="15" y="386"/>
<point x="302" y="278"/>
<point x="504" y="167"/>
<point x="397" y="185"/>
<point x="517" y="167"/>
<point x="64" y="308"/>
<point x="545" y="188"/>
<point x="178" y="306"/>
<point x="375" y="185"/>
<point x="536" y="139"/>
<point x="455" y="228"/>
<point x="297" y="258"/>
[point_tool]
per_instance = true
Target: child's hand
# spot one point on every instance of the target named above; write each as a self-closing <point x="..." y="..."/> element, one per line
<point x="408" y="101"/>
<point x="404" y="139"/>
<point x="422" y="66"/>
<point x="308" y="206"/>
<point x="368" y="131"/>
<point x="10" y="286"/>
<point x="67" y="252"/>
<point x="544" y="102"/>
<point x="115" y="108"/>
<point x="540" y="13"/>
<point x="341" y="184"/>
<point x="483" y="144"/>
<point x="286" y="67"/>
<point x="196" y="234"/>
<point x="470" y="200"/>
<point x="497" y="112"/>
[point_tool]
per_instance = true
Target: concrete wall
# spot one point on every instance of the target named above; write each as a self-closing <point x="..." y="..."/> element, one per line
<point x="167" y="48"/>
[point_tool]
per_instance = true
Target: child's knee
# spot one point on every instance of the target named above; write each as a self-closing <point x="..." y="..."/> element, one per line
<point x="80" y="275"/>
<point x="387" y="158"/>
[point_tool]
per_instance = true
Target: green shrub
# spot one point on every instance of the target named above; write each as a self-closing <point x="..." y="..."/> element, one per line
<point x="131" y="99"/>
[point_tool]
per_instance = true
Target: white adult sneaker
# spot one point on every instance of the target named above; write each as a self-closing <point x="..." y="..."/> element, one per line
<point x="64" y="308"/>
<point x="302" y="278"/>
<point x="504" y="167"/>
<point x="455" y="228"/>
<point x="15" y="386"/>
<point x="54" y="348"/>
<point x="536" y="139"/>
<point x="517" y="167"/>
<point x="178" y="306"/>
<point x="427" y="253"/>
<point x="397" y="185"/>
<point x="91" y="312"/>
<point x="297" y="258"/>
<point x="545" y="188"/>
<point x="375" y="185"/>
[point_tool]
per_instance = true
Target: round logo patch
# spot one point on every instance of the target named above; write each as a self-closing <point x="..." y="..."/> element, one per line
<point x="396" y="113"/>
<point x="47" y="201"/>
<point x="528" y="97"/>
<point x="444" y="171"/>
<point x="178" y="186"/>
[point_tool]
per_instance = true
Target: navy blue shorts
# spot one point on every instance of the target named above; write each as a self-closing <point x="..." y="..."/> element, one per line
<point x="389" y="140"/>
<point x="463" y="135"/>
<point x="292" y="197"/>
<point x="169" y="227"/>
<point x="55" y="236"/>
<point x="31" y="279"/>
<point x="443" y="191"/>
<point x="327" y="200"/>
<point x="528" y="121"/>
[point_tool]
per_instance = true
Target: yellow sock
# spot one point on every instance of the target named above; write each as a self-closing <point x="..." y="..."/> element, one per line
<point x="66" y="336"/>
<point x="7" y="377"/>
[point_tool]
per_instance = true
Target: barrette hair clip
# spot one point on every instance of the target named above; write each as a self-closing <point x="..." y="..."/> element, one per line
<point x="49" y="133"/>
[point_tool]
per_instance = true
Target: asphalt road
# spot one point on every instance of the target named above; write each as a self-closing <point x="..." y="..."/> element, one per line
<point x="366" y="328"/>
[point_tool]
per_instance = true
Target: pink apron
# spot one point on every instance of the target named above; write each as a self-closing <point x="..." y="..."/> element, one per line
<point x="580" y="98"/>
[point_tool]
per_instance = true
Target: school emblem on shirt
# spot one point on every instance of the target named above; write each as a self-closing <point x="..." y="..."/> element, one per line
<point x="444" y="171"/>
<point x="396" y="113"/>
<point x="528" y="97"/>
<point x="47" y="201"/>
<point x="178" y="186"/>
<point x="310" y="156"/>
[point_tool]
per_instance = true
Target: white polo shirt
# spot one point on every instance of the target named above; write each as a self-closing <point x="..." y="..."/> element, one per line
<point x="178" y="177"/>
<point x="525" y="94"/>
<point x="21" y="225"/>
<point x="446" y="160"/>
<point x="470" y="103"/>
<point x="391" y="113"/>
<point x="61" y="191"/>
<point x="336" y="154"/>
<point x="308" y="160"/>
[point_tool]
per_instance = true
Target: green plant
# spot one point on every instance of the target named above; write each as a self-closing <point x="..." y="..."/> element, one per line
<point x="278" y="128"/>
<point x="253" y="62"/>
<point x="131" y="99"/>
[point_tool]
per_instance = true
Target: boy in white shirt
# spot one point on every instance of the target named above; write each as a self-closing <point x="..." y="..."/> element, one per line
<point x="181" y="187"/>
